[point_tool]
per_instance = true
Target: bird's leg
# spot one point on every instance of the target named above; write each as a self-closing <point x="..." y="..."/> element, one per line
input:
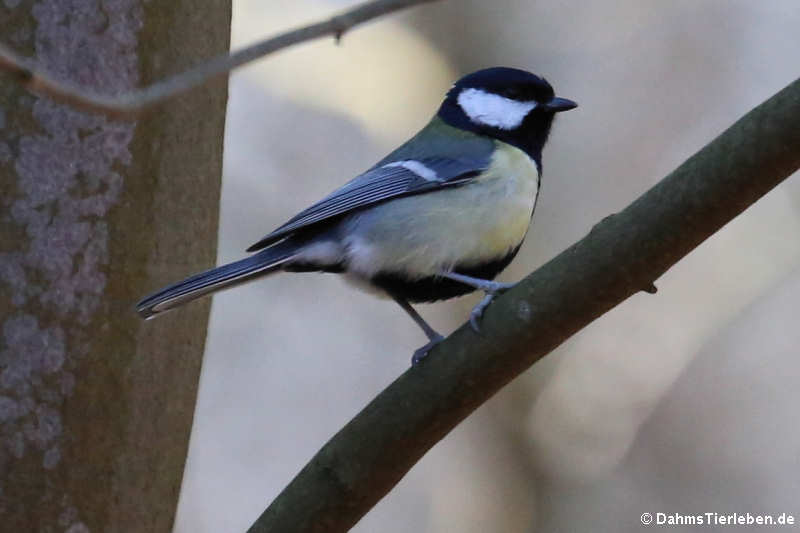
<point x="491" y="288"/>
<point x="431" y="333"/>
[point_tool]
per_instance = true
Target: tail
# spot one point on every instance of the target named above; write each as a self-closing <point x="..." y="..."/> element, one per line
<point x="204" y="283"/>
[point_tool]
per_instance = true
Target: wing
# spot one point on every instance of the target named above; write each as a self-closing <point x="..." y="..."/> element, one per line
<point x="387" y="180"/>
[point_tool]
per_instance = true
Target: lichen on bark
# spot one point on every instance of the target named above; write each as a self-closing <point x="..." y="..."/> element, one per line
<point x="77" y="382"/>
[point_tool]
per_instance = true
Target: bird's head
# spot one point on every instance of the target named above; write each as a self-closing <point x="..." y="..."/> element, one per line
<point x="508" y="104"/>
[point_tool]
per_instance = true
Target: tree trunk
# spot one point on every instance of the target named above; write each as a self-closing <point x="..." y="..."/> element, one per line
<point x="96" y="405"/>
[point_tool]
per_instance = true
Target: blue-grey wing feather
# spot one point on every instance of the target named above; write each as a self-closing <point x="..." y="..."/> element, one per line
<point x="387" y="180"/>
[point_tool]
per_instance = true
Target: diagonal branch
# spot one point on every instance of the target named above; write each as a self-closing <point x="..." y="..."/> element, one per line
<point x="127" y="104"/>
<point x="622" y="255"/>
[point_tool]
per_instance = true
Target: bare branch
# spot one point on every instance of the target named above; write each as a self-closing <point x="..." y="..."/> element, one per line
<point x="621" y="256"/>
<point x="130" y="103"/>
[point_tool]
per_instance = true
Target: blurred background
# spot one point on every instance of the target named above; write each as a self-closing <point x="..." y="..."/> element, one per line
<point x="683" y="402"/>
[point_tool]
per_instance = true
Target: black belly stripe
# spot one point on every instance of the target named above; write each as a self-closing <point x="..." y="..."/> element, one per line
<point x="432" y="288"/>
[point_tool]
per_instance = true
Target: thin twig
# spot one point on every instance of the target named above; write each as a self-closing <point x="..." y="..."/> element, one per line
<point x="622" y="255"/>
<point x="137" y="100"/>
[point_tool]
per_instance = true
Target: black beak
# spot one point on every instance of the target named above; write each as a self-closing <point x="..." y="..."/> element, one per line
<point x="560" y="104"/>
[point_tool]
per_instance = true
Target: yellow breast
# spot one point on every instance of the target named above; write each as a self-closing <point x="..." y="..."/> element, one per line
<point x="479" y="222"/>
<point x="509" y="187"/>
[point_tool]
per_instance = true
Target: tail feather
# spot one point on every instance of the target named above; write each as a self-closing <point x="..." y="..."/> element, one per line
<point x="213" y="280"/>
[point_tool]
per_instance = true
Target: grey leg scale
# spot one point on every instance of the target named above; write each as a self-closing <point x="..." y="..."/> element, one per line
<point x="433" y="337"/>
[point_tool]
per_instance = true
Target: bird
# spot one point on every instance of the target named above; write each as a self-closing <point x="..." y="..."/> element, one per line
<point x="439" y="217"/>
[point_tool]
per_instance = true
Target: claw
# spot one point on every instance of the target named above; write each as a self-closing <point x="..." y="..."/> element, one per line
<point x="477" y="312"/>
<point x="422" y="353"/>
<point x="491" y="291"/>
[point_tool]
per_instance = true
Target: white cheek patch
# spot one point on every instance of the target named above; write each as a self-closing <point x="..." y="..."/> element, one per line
<point x="491" y="109"/>
<point x="420" y="169"/>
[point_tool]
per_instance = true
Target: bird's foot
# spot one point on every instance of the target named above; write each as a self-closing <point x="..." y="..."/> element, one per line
<point x="422" y="353"/>
<point x="492" y="289"/>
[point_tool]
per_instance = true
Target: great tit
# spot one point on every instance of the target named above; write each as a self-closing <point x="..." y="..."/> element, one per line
<point x="439" y="217"/>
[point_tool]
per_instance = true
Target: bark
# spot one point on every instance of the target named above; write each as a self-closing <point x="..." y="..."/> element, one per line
<point x="95" y="405"/>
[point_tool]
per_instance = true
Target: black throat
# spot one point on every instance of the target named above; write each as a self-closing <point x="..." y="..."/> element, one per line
<point x="530" y="136"/>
